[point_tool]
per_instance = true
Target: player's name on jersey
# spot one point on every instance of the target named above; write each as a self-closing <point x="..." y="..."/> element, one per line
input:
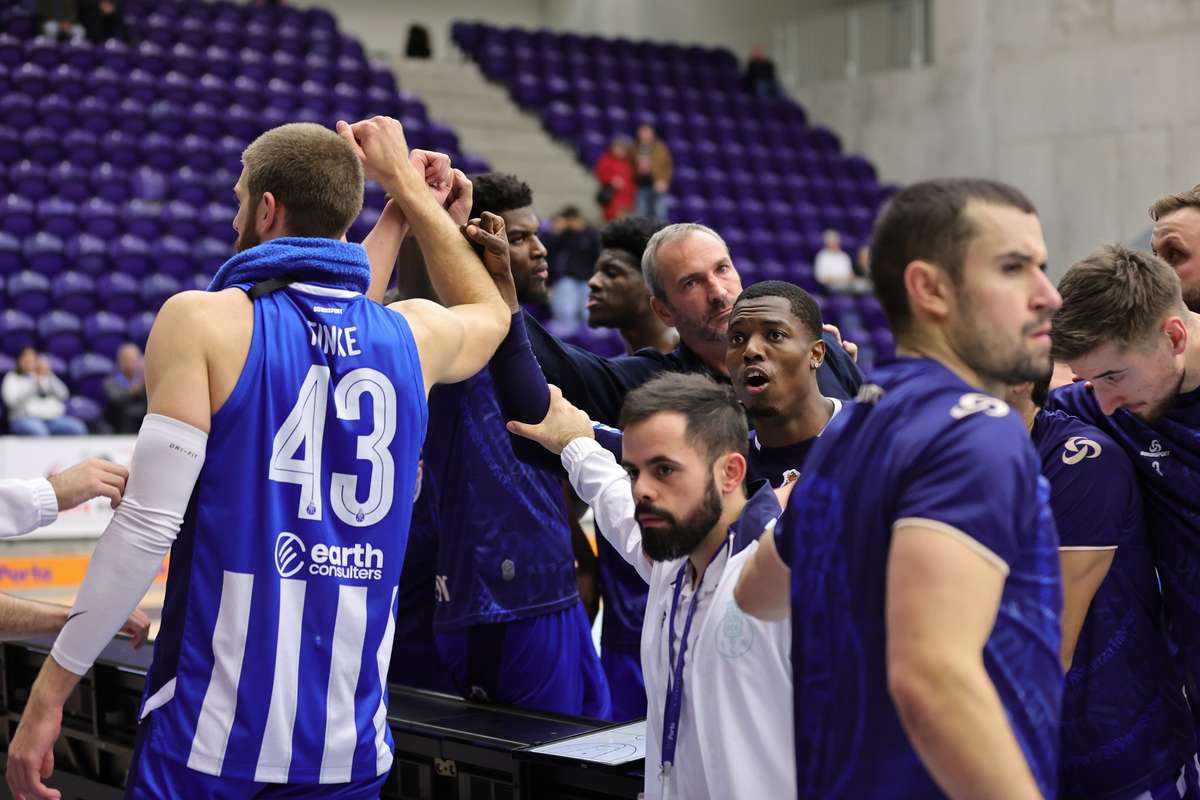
<point x="333" y="339"/>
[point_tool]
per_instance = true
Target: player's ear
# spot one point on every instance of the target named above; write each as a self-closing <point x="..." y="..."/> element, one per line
<point x="929" y="289"/>
<point x="1177" y="335"/>
<point x="268" y="215"/>
<point x="816" y="353"/>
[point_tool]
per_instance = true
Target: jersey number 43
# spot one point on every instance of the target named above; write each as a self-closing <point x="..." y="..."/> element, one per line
<point x="304" y="429"/>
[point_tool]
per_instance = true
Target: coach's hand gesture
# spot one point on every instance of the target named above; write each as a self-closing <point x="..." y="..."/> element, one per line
<point x="564" y="423"/>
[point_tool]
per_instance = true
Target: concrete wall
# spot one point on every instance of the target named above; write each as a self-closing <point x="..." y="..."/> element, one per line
<point x="1086" y="105"/>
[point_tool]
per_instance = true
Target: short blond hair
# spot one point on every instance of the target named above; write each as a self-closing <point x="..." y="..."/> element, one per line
<point x="312" y="172"/>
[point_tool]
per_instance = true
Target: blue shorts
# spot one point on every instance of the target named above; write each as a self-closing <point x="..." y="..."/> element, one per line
<point x="546" y="662"/>
<point x="154" y="777"/>
<point x="623" y="668"/>
<point x="1186" y="786"/>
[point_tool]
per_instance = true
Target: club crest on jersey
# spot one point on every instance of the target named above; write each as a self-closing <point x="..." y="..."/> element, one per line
<point x="359" y="562"/>
<point x="737" y="635"/>
<point x="1077" y="448"/>
<point x="979" y="403"/>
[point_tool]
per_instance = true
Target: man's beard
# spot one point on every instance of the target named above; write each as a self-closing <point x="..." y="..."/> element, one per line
<point x="1156" y="408"/>
<point x="247" y="239"/>
<point x="983" y="351"/>
<point x="680" y="538"/>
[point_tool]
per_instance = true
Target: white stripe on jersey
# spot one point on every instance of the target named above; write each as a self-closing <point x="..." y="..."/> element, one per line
<point x="164" y="695"/>
<point x="383" y="755"/>
<point x="275" y="758"/>
<point x="341" y="728"/>
<point x="220" y="699"/>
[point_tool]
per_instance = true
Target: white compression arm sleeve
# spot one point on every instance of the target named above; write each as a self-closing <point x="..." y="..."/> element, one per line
<point x="166" y="463"/>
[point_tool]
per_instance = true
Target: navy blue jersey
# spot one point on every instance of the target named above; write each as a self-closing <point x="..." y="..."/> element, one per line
<point x="414" y="654"/>
<point x="919" y="445"/>
<point x="1166" y="457"/>
<point x="277" y="625"/>
<point x="504" y="546"/>
<point x="1125" y="726"/>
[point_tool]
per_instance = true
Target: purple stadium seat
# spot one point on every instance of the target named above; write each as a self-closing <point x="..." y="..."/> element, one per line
<point x="29" y="179"/>
<point x="95" y="115"/>
<point x="217" y="219"/>
<point x="45" y="253"/>
<point x="116" y="55"/>
<point x="110" y="183"/>
<point x="118" y="293"/>
<point x="131" y="256"/>
<point x="28" y="79"/>
<point x="181" y="219"/>
<point x="17" y="331"/>
<point x="137" y="329"/>
<point x="88" y="253"/>
<point x="17" y="215"/>
<point x="157" y="288"/>
<point x="12" y="51"/>
<point x="173" y="256"/>
<point x="70" y="182"/>
<point x="60" y="333"/>
<point x="29" y="292"/>
<point x="197" y="153"/>
<point x="142" y="218"/>
<point x="10" y="145"/>
<point x="151" y="57"/>
<point x="104" y="332"/>
<point x="58" y="217"/>
<point x="99" y="218"/>
<point x="74" y="292"/>
<point x="85" y="409"/>
<point x="187" y="61"/>
<point x="12" y="258"/>
<point x="80" y="55"/>
<point x="88" y="373"/>
<point x="195" y="33"/>
<point x="81" y="148"/>
<point x="55" y="111"/>
<point x="18" y="111"/>
<point x="220" y="61"/>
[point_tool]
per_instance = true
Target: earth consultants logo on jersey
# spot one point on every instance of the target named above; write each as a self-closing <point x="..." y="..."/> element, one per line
<point x="1077" y="448"/>
<point x="359" y="562"/>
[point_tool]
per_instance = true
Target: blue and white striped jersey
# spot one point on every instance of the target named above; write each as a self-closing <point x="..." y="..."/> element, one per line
<point x="279" y="614"/>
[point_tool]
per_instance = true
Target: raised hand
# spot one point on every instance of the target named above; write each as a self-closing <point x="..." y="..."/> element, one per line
<point x="487" y="233"/>
<point x="380" y="144"/>
<point x="462" y="195"/>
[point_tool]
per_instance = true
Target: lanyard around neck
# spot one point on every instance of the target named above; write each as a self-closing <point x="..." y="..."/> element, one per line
<point x="674" y="705"/>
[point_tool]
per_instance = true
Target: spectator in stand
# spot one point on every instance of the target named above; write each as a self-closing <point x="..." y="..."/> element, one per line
<point x="760" y="78"/>
<point x="102" y="19"/>
<point x="833" y="268"/>
<point x="126" y="391"/>
<point x="59" y="22"/>
<point x="614" y="170"/>
<point x="36" y="399"/>
<point x="652" y="173"/>
<point x="574" y="246"/>
<point x="862" y="268"/>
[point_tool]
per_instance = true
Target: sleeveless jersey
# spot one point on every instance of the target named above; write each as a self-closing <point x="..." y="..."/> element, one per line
<point x="279" y="613"/>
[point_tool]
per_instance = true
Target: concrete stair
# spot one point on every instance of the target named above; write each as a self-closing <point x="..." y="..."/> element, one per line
<point x="489" y="124"/>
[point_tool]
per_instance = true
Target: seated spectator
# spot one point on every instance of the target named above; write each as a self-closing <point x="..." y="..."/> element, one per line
<point x="102" y="19"/>
<point x="59" y="16"/>
<point x="832" y="267"/>
<point x="760" y="78"/>
<point x="652" y="173"/>
<point x="574" y="246"/>
<point x="614" y="170"/>
<point x="126" y="391"/>
<point x="36" y="399"/>
<point x="862" y="269"/>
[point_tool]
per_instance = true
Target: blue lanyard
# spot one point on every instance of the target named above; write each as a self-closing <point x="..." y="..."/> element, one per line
<point x="674" y="704"/>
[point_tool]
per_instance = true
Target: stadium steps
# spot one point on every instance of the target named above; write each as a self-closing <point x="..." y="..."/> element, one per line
<point x="490" y="124"/>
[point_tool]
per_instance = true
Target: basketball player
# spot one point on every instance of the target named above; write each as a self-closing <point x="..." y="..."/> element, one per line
<point x="1126" y="728"/>
<point x="1125" y="332"/>
<point x="717" y="681"/>
<point x="291" y="507"/>
<point x="1176" y="239"/>
<point x="617" y="295"/>
<point x="925" y="590"/>
<point x="509" y="624"/>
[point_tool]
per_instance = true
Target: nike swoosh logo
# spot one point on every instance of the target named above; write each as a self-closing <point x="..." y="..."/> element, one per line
<point x="73" y="616"/>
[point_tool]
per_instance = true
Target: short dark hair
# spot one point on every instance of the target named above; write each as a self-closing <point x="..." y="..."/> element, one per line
<point x="804" y="307"/>
<point x="716" y="423"/>
<point x="925" y="222"/>
<point x="1171" y="203"/>
<point x="498" y="192"/>
<point x="1116" y="294"/>
<point x="312" y="172"/>
<point x="630" y="235"/>
<point x="1040" y="392"/>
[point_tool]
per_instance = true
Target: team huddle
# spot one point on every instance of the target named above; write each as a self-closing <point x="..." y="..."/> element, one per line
<point x="970" y="573"/>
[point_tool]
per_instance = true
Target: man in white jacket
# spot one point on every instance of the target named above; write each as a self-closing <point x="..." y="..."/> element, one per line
<point x="29" y="504"/>
<point x="718" y="682"/>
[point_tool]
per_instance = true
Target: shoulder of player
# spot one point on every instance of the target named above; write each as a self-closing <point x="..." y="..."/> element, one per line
<point x="186" y="313"/>
<point x="1076" y="446"/>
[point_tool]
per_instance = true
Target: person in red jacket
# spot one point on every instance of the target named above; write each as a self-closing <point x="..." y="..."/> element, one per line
<point x="614" y="170"/>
